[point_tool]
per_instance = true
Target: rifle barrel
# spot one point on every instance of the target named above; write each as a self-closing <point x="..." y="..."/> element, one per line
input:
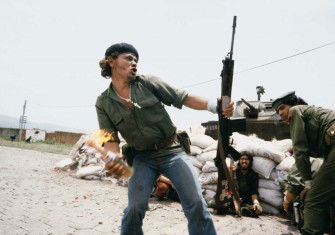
<point x="232" y="40"/>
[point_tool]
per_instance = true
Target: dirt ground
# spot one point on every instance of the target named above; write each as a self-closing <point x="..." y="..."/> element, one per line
<point x="36" y="199"/>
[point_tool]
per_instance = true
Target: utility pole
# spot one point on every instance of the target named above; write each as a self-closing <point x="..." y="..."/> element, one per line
<point x="23" y="120"/>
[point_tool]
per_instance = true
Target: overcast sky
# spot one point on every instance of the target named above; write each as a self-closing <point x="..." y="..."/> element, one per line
<point x="49" y="51"/>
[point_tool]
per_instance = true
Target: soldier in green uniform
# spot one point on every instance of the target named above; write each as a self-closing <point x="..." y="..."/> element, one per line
<point x="312" y="131"/>
<point x="134" y="106"/>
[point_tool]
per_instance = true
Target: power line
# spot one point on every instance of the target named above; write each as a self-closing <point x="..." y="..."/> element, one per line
<point x="285" y="58"/>
<point x="262" y="65"/>
<point x="211" y="80"/>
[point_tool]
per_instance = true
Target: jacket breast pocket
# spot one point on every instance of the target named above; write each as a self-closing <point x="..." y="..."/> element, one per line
<point x="152" y="112"/>
<point x="330" y="135"/>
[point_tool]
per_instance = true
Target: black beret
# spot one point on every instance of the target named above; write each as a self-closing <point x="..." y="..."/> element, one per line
<point x="121" y="48"/>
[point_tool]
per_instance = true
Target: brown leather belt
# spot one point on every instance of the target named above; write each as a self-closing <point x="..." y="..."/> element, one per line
<point x="164" y="143"/>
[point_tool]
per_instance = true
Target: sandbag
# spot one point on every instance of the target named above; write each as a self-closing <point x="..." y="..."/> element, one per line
<point x="286" y="164"/>
<point x="195" y="150"/>
<point x="281" y="176"/>
<point x="263" y="166"/>
<point x="210" y="187"/>
<point x="194" y="161"/>
<point x="65" y="164"/>
<point x="257" y="147"/>
<point x="92" y="177"/>
<point x="207" y="156"/>
<point x="201" y="141"/>
<point x="209" y="195"/>
<point x="268" y="209"/>
<point x="284" y="145"/>
<point x="78" y="145"/>
<point x="278" y="176"/>
<point x="212" y="147"/>
<point x="268" y="184"/>
<point x="88" y="170"/>
<point x="272" y="197"/>
<point x="209" y="167"/>
<point x="208" y="178"/>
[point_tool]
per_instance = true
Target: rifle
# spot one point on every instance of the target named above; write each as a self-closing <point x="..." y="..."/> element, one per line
<point x="225" y="128"/>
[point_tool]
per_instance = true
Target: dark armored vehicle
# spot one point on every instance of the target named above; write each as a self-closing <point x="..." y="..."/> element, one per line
<point x="261" y="120"/>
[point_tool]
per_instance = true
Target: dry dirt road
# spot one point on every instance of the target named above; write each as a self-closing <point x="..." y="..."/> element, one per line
<point x="36" y="199"/>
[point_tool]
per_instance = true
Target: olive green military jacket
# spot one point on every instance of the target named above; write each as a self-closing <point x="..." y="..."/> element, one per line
<point x="294" y="183"/>
<point x="147" y="123"/>
<point x="308" y="127"/>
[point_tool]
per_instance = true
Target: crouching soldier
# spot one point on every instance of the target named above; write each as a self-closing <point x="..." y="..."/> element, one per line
<point x="312" y="132"/>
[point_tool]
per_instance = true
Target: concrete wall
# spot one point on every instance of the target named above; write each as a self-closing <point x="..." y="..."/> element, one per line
<point x="58" y="136"/>
<point x="7" y="132"/>
<point x="62" y="137"/>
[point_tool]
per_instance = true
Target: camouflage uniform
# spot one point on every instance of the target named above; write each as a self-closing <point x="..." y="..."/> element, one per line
<point x="313" y="134"/>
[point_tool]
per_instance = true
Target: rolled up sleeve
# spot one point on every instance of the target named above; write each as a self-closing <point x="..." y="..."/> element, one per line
<point x="166" y="93"/>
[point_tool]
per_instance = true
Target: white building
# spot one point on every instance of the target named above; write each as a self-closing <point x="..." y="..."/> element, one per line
<point x="35" y="134"/>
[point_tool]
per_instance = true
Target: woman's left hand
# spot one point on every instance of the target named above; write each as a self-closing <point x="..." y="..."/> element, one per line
<point x="228" y="111"/>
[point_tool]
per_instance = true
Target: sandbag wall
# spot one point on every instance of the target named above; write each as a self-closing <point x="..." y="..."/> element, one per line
<point x="271" y="160"/>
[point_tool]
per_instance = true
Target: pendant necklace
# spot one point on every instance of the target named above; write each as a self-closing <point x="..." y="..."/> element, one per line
<point x="127" y="99"/>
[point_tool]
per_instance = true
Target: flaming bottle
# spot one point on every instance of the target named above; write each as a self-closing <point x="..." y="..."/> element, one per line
<point x="96" y="140"/>
<point x="112" y="158"/>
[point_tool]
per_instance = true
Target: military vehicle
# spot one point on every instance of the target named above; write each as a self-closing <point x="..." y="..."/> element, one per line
<point x="261" y="119"/>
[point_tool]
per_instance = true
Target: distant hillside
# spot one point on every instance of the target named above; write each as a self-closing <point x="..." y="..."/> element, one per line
<point x="11" y="122"/>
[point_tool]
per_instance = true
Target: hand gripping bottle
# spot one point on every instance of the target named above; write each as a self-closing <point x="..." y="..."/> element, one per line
<point x="111" y="158"/>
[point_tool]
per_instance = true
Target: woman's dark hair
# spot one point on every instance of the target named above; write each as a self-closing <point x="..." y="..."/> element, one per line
<point x="250" y="157"/>
<point x="106" y="70"/>
<point x="295" y="100"/>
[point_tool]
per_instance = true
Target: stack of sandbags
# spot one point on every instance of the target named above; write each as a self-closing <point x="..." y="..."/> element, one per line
<point x="272" y="161"/>
<point x="86" y="163"/>
<point x="203" y="152"/>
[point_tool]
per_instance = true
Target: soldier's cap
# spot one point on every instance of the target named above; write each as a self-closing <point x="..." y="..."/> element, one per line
<point x="121" y="48"/>
<point x="282" y="99"/>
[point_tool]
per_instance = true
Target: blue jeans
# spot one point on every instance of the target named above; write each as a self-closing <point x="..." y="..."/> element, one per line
<point x="184" y="178"/>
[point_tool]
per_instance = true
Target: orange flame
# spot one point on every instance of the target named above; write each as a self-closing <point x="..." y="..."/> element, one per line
<point x="100" y="137"/>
